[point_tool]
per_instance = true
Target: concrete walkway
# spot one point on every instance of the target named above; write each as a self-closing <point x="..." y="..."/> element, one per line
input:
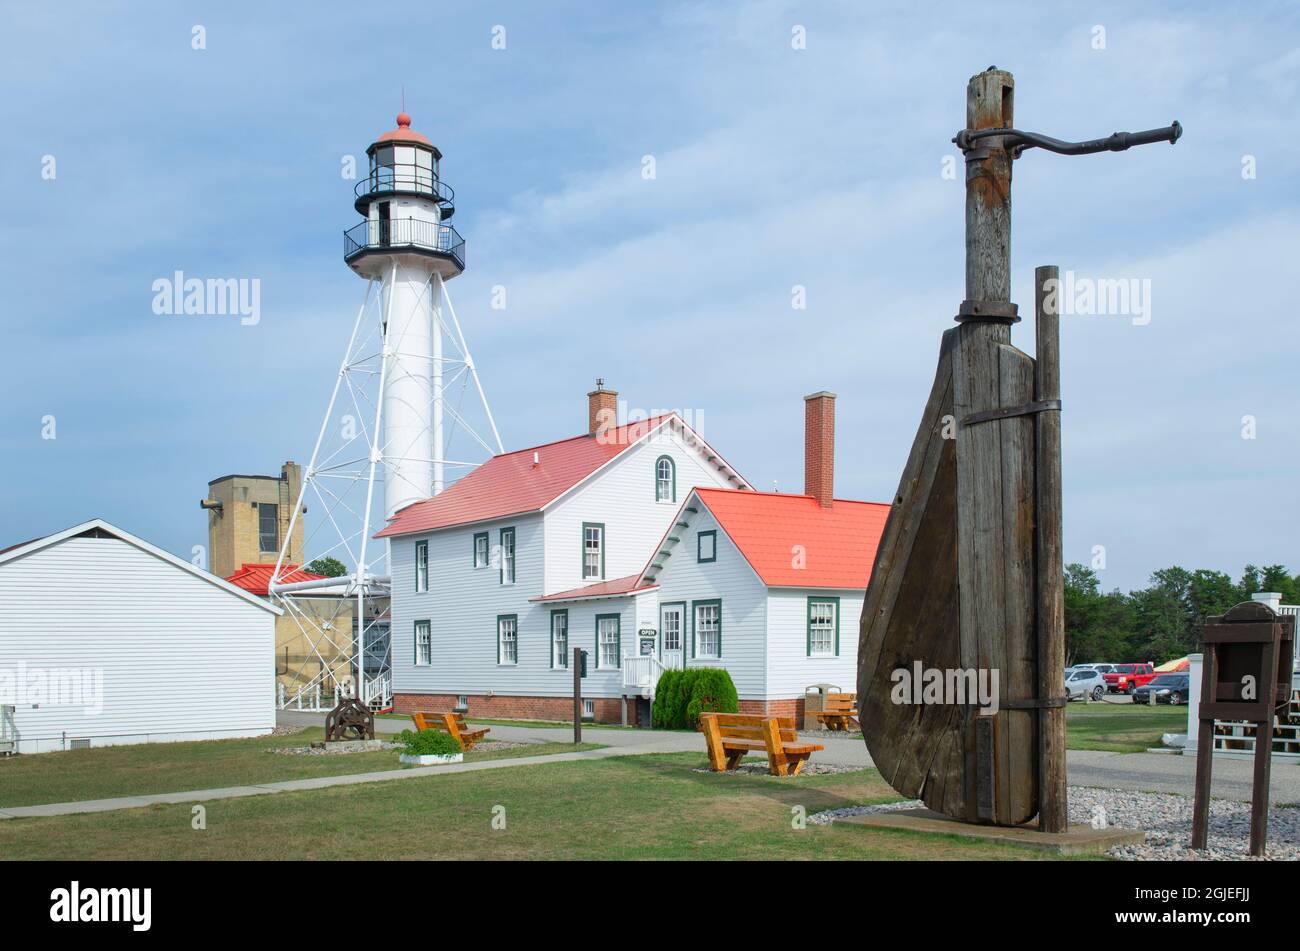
<point x="1141" y="772"/>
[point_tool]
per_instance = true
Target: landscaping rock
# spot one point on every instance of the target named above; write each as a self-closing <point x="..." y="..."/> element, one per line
<point x="321" y="749"/>
<point x="1166" y="818"/>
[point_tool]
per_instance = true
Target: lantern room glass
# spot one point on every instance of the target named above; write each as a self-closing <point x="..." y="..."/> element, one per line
<point x="403" y="167"/>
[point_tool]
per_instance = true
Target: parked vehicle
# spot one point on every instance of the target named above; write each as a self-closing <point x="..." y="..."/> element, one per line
<point x="1100" y="668"/>
<point x="1166" y="688"/>
<point x="1126" y="678"/>
<point x="1083" y="681"/>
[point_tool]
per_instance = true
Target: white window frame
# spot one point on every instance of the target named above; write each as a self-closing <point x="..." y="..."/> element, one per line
<point x="715" y="653"/>
<point x="612" y="644"/>
<point x="421" y="567"/>
<point x="486" y="539"/>
<point x="820" y="628"/>
<point x="507" y="622"/>
<point x="508" y="555"/>
<point x="423" y="644"/>
<point x="559" y="655"/>
<point x="665" y="481"/>
<point x="597" y="571"/>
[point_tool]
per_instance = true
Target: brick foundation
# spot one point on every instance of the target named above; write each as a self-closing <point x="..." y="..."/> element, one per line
<point x="775" y="708"/>
<point x="499" y="707"/>
<point x="608" y="709"/>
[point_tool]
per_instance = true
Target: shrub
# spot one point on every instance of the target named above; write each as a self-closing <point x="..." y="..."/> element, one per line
<point x="427" y="743"/>
<point x="682" y="695"/>
<point x="667" y="709"/>
<point x="711" y="691"/>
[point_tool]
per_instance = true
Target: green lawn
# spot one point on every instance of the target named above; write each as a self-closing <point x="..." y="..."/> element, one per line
<point x="635" y="807"/>
<point x="1121" y="727"/>
<point x="138" y="769"/>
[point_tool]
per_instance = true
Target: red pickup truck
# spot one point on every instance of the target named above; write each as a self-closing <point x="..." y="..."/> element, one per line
<point x="1126" y="678"/>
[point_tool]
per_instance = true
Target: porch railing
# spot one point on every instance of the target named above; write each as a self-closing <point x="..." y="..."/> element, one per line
<point x="398" y="233"/>
<point x="642" y="671"/>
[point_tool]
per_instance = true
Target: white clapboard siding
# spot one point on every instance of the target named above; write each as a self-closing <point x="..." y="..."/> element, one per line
<point x="744" y="603"/>
<point x="462" y="606"/>
<point x="182" y="657"/>
<point x="789" y="668"/>
<point x="622" y="497"/>
<point x="463" y="603"/>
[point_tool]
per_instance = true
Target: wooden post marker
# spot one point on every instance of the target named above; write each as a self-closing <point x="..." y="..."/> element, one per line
<point x="579" y="655"/>
<point x="1246" y="676"/>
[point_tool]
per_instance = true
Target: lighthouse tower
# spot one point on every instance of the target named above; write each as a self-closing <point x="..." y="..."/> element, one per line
<point x="407" y="245"/>
<point x="398" y="403"/>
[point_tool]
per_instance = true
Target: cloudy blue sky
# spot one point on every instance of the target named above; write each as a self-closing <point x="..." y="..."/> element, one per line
<point x="775" y="167"/>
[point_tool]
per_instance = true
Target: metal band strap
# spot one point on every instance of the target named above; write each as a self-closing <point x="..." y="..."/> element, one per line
<point x="997" y="311"/>
<point x="1034" y="704"/>
<point x="1006" y="412"/>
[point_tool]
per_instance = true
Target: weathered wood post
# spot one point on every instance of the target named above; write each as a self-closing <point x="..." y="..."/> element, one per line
<point x="995" y="476"/>
<point x="1053" y="811"/>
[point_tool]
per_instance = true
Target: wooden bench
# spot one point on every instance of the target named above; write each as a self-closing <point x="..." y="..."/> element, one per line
<point x="841" y="708"/>
<point x="452" y="723"/>
<point x="729" y="736"/>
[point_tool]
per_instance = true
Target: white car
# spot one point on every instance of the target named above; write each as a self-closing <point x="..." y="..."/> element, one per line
<point x="1084" y="681"/>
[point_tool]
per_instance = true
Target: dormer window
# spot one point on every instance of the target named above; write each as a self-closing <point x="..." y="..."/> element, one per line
<point x="665" y="479"/>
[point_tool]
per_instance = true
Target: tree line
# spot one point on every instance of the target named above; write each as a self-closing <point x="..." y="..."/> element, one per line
<point x="1161" y="621"/>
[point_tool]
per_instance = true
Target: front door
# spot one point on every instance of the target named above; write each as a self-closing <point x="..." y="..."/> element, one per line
<point x="671" y="628"/>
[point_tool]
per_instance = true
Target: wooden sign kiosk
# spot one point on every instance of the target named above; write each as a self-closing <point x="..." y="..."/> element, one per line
<point x="1246" y="676"/>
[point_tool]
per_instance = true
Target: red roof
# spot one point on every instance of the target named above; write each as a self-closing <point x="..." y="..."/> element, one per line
<point x="602" y="589"/>
<point x="509" y="484"/>
<point x="404" y="132"/>
<point x="255" y="578"/>
<point x="838" y="543"/>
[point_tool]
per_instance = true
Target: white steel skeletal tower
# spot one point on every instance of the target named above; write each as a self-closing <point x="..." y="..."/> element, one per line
<point x="398" y="404"/>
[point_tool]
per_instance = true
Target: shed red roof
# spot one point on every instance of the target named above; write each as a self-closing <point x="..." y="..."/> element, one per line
<point x="509" y="484"/>
<point x="255" y="579"/>
<point x="776" y="533"/>
<point x="602" y="589"/>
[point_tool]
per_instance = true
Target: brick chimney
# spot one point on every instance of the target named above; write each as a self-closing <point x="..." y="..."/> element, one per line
<point x="819" y="447"/>
<point x="602" y="409"/>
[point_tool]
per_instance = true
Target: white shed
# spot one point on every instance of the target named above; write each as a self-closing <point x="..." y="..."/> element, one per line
<point x="107" y="639"/>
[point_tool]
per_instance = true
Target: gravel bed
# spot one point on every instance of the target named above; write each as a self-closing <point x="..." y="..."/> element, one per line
<point x="335" y="751"/>
<point x="809" y="769"/>
<point x="493" y="745"/>
<point x="834" y="734"/>
<point x="488" y="746"/>
<point x="1166" y="817"/>
<point x="287" y="730"/>
<point x="830" y="815"/>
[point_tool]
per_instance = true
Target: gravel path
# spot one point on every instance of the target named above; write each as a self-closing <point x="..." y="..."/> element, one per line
<point x="1166" y="817"/>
